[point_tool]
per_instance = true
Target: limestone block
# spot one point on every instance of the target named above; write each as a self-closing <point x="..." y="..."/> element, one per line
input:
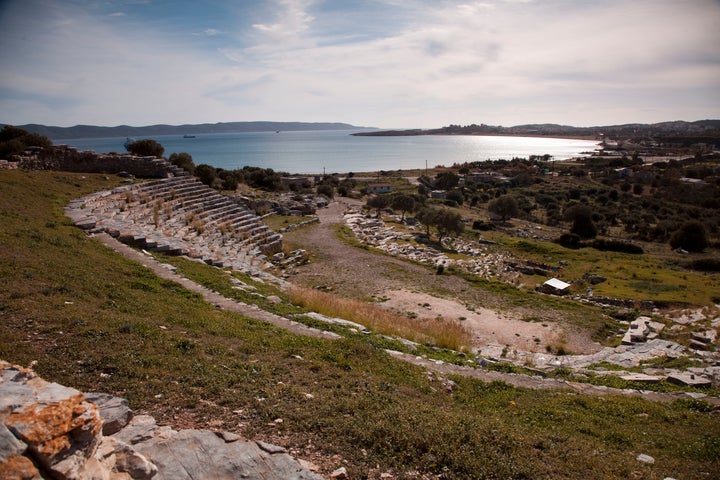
<point x="61" y="429"/>
<point x="120" y="457"/>
<point x="13" y="465"/>
<point x="191" y="454"/>
<point x="689" y="379"/>
<point x="707" y="336"/>
<point x="114" y="411"/>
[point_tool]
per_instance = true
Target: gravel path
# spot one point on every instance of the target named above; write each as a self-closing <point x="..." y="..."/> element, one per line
<point x="409" y="287"/>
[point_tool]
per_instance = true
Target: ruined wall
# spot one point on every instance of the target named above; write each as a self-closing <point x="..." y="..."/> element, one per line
<point x="68" y="159"/>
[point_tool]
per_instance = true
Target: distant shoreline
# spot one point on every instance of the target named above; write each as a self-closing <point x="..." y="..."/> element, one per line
<point x="435" y="134"/>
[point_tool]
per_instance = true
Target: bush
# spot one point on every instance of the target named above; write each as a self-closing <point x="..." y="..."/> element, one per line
<point x="184" y="161"/>
<point x="691" y="237"/>
<point x="610" y="245"/>
<point x="14" y="140"/>
<point x="326" y="190"/>
<point x="482" y="226"/>
<point x="569" y="240"/>
<point x="581" y="216"/>
<point x="456" y="196"/>
<point x="505" y="207"/>
<point x="146" y="148"/>
<point x="705" y="264"/>
<point x="206" y="173"/>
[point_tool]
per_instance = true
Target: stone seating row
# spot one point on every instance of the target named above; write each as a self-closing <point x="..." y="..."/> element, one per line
<point x="179" y="215"/>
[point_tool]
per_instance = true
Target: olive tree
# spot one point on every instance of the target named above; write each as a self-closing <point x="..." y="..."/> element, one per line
<point x="404" y="203"/>
<point x="447" y="223"/>
<point x="378" y="202"/>
<point x="583" y="224"/>
<point x="146" y="148"/>
<point x="691" y="237"/>
<point x="505" y="207"/>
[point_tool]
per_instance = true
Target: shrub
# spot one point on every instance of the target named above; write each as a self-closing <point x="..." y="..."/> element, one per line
<point x="456" y="196"/>
<point x="326" y="190"/>
<point x="605" y="244"/>
<point x="146" y="148"/>
<point x="691" y="237"/>
<point x="569" y="240"/>
<point x="581" y="216"/>
<point x="482" y="226"/>
<point x="705" y="264"/>
<point x="505" y="207"/>
<point x="184" y="161"/>
<point x="206" y="173"/>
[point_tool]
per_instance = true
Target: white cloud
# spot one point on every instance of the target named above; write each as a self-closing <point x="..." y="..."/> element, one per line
<point x="402" y="64"/>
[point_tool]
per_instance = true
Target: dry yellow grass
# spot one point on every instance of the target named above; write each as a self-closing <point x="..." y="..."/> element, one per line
<point x="442" y="333"/>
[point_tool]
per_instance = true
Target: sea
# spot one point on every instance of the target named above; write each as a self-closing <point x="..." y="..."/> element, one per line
<point x="337" y="151"/>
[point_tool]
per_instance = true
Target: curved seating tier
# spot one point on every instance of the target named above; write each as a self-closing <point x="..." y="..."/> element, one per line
<point x="180" y="215"/>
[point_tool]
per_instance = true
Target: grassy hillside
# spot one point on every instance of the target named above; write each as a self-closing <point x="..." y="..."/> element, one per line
<point x="96" y="321"/>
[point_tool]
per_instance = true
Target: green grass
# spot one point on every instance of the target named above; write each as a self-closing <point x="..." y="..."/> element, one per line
<point x="96" y="321"/>
<point x="278" y="222"/>
<point x="651" y="276"/>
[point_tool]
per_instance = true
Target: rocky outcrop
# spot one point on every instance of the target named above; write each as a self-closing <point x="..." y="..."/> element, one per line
<point x="52" y="431"/>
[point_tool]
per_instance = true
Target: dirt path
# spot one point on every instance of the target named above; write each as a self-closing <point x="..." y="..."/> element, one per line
<point x="412" y="288"/>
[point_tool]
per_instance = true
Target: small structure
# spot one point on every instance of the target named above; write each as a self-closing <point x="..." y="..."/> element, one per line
<point x="379" y="187"/>
<point x="440" y="194"/>
<point x="554" y="286"/>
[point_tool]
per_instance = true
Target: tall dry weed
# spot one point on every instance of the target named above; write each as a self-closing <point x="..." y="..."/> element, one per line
<point x="439" y="332"/>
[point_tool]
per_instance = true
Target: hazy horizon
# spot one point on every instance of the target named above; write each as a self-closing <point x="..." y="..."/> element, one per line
<point x="380" y="63"/>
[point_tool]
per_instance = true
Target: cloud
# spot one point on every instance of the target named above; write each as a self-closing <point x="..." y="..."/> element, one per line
<point x="292" y="21"/>
<point x="383" y="62"/>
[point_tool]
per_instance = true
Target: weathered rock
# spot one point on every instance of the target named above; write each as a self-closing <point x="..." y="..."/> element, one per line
<point x="638" y="331"/>
<point x="689" y="379"/>
<point x="123" y="458"/>
<point x="594" y="279"/>
<point x="60" y="428"/>
<point x="52" y="431"/>
<point x="641" y="377"/>
<point x="192" y="454"/>
<point x="340" y="473"/>
<point x="706" y="337"/>
<point x="13" y="463"/>
<point x="114" y="411"/>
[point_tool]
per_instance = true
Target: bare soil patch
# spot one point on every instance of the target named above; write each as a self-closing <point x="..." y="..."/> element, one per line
<point x="417" y="290"/>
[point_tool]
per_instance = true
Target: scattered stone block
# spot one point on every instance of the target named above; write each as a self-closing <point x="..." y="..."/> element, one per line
<point x="689" y="379"/>
<point x="707" y="337"/>
<point x="340" y="473"/>
<point x="641" y="377"/>
<point x="114" y="411"/>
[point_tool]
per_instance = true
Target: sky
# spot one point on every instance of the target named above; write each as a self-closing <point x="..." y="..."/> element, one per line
<point x="375" y="63"/>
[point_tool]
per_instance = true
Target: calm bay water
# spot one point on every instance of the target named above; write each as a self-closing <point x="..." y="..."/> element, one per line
<point x="339" y="152"/>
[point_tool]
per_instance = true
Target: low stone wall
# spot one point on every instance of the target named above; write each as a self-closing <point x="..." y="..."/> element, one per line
<point x="68" y="159"/>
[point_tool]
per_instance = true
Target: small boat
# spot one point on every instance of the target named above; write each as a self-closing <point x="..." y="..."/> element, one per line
<point x="188" y="136"/>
